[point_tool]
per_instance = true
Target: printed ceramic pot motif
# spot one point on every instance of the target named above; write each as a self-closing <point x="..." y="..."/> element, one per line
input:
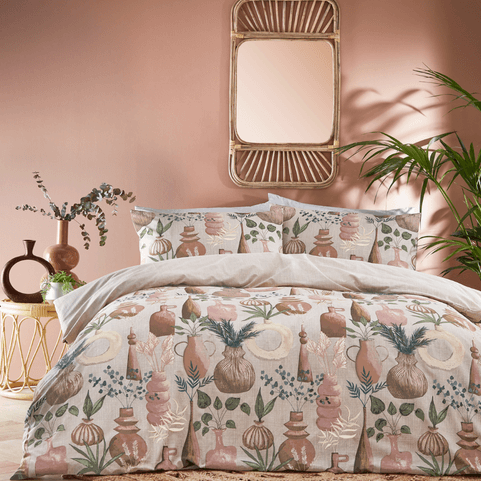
<point x="195" y="355"/>
<point x="349" y="227"/>
<point x="234" y="374"/>
<point x="368" y="362"/>
<point x="332" y="323"/>
<point x="389" y="316"/>
<point x="323" y="245"/>
<point x="157" y="397"/>
<point x="220" y="311"/>
<point x="54" y="461"/>
<point x="190" y="245"/>
<point x="221" y="457"/>
<point x="162" y="322"/>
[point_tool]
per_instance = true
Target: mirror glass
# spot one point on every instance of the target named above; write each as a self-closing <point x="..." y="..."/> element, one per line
<point x="285" y="91"/>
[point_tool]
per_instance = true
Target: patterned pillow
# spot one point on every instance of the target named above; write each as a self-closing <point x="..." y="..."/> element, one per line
<point x="355" y="235"/>
<point x="165" y="236"/>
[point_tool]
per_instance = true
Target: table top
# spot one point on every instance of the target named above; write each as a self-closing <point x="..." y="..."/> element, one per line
<point x="43" y="309"/>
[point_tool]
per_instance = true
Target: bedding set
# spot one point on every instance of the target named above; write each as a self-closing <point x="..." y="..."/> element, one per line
<point x="281" y="337"/>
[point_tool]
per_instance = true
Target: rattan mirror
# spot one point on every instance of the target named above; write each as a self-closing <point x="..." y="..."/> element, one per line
<point x="284" y="93"/>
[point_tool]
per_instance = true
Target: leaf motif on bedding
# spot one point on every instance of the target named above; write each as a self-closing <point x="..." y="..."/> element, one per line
<point x="340" y="360"/>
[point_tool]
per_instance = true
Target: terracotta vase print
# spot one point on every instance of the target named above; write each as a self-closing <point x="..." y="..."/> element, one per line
<point x="469" y="453"/>
<point x="328" y="403"/>
<point x="332" y="323"/>
<point x="363" y="462"/>
<point x="190" y="245"/>
<point x="127" y="440"/>
<point x="433" y="442"/>
<point x="191" y="452"/>
<point x="368" y="362"/>
<point x="190" y="307"/>
<point x="234" y="374"/>
<point x="405" y="380"/>
<point x="195" y="355"/>
<point x="214" y="223"/>
<point x="162" y="322"/>
<point x="295" y="246"/>
<point x="87" y="433"/>
<point x="258" y="436"/>
<point x="54" y="461"/>
<point x="221" y="457"/>
<point x="133" y="367"/>
<point x="475" y="371"/>
<point x="323" y="245"/>
<point x="397" y="262"/>
<point x="396" y="461"/>
<point x="243" y="248"/>
<point x="297" y="446"/>
<point x="337" y="458"/>
<point x="61" y="255"/>
<point x="220" y="311"/>
<point x="349" y="227"/>
<point x="304" y="371"/>
<point x="157" y="397"/>
<point x="375" y="254"/>
<point x="166" y="464"/>
<point x="389" y="316"/>
<point x="292" y="305"/>
<point x="160" y="246"/>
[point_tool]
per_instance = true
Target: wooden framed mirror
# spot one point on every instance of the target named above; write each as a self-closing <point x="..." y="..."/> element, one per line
<point x="284" y="93"/>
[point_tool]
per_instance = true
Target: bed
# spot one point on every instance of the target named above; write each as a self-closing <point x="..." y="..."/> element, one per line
<point x="221" y="351"/>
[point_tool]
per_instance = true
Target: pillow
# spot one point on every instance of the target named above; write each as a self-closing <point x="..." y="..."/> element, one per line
<point x="277" y="199"/>
<point x="253" y="208"/>
<point x="355" y="235"/>
<point x="167" y="235"/>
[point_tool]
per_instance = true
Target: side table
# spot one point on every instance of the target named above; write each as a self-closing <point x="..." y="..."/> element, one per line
<point x="23" y="336"/>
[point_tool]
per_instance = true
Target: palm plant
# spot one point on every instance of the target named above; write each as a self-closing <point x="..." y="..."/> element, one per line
<point x="440" y="166"/>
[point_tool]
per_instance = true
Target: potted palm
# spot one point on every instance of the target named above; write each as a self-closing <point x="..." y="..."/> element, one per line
<point x="440" y="165"/>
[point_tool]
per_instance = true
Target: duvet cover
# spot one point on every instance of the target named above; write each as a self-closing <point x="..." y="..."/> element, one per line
<point x="262" y="362"/>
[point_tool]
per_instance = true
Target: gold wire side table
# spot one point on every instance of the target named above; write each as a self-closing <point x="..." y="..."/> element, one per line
<point x="23" y="340"/>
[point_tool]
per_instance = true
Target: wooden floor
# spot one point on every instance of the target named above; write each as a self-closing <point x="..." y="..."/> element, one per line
<point x="12" y="414"/>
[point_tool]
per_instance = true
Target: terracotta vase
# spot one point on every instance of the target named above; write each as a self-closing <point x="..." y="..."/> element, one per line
<point x="337" y="458"/>
<point x="367" y="362"/>
<point x="54" y="461"/>
<point x="160" y="246"/>
<point x="190" y="245"/>
<point x="405" y="380"/>
<point x="221" y="457"/>
<point x="397" y="262"/>
<point x="195" y="355"/>
<point x="87" y="432"/>
<point x="258" y="436"/>
<point x="469" y="454"/>
<point x="127" y="441"/>
<point x="388" y="316"/>
<point x="157" y="397"/>
<point x="349" y="227"/>
<point x="133" y="367"/>
<point x="234" y="374"/>
<point x="243" y="247"/>
<point x="214" y="223"/>
<point x="396" y="462"/>
<point x="323" y="245"/>
<point x="375" y="254"/>
<point x="297" y="446"/>
<point x="333" y="324"/>
<point x="292" y="306"/>
<point x="295" y="246"/>
<point x="432" y="442"/>
<point x="304" y="371"/>
<point x="190" y="307"/>
<point x="191" y="452"/>
<point x="166" y="464"/>
<point x="363" y="462"/>
<point x="61" y="255"/>
<point x="328" y="403"/>
<point x="220" y="311"/>
<point x="475" y="371"/>
<point x="162" y="322"/>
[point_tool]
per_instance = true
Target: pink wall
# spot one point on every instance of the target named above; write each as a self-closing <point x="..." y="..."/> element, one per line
<point x="135" y="93"/>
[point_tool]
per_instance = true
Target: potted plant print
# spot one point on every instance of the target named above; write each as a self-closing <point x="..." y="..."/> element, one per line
<point x="432" y="442"/>
<point x="363" y="462"/>
<point x="222" y="457"/>
<point x="405" y="380"/>
<point x="259" y="436"/>
<point x="393" y="239"/>
<point x="158" y="388"/>
<point x="297" y="394"/>
<point x="467" y="404"/>
<point x="87" y="432"/>
<point x="161" y="246"/>
<point x="94" y="463"/>
<point x="260" y="463"/>
<point x="388" y="425"/>
<point x="233" y="374"/>
<point x="295" y="245"/>
<point x="262" y="233"/>
<point x="323" y="243"/>
<point x="329" y="400"/>
<point x="191" y="452"/>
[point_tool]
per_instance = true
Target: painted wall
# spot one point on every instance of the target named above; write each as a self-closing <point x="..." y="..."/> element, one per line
<point x="135" y="93"/>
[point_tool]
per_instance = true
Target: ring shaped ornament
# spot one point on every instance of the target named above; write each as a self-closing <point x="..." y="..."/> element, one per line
<point x="287" y="339"/>
<point x="115" y="343"/>
<point x="7" y="287"/>
<point x="456" y="357"/>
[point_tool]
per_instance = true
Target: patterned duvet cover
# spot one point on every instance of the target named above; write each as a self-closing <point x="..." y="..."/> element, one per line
<point x="263" y="363"/>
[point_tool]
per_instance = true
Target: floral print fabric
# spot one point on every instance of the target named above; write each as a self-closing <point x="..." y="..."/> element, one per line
<point x="379" y="239"/>
<point x="262" y="378"/>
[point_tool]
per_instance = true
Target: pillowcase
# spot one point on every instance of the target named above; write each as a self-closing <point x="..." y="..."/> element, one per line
<point x="277" y="199"/>
<point x="248" y="209"/>
<point x="165" y="235"/>
<point x="355" y="235"/>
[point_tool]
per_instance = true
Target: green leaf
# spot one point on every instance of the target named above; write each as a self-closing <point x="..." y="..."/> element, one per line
<point x="379" y="436"/>
<point x="217" y="403"/>
<point x="406" y="409"/>
<point x="370" y="432"/>
<point x="205" y="431"/>
<point x="397" y="233"/>
<point x="39" y="433"/>
<point x="259" y="407"/>
<point x="203" y="399"/>
<point x="386" y="228"/>
<point x="405" y="429"/>
<point x="230" y="424"/>
<point x="406" y="235"/>
<point x="419" y="413"/>
<point x="197" y="425"/>
<point x="88" y="406"/>
<point x="377" y="406"/>
<point x="97" y="406"/>
<point x="442" y="415"/>
<point x="206" y="418"/>
<point x="380" y="424"/>
<point x="61" y="427"/>
<point x="392" y="410"/>
<point x="73" y="410"/>
<point x="61" y="410"/>
<point x="48" y="416"/>
<point x="250" y="223"/>
<point x="232" y="403"/>
<point x="271" y="228"/>
<point x="245" y="408"/>
<point x="269" y="406"/>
